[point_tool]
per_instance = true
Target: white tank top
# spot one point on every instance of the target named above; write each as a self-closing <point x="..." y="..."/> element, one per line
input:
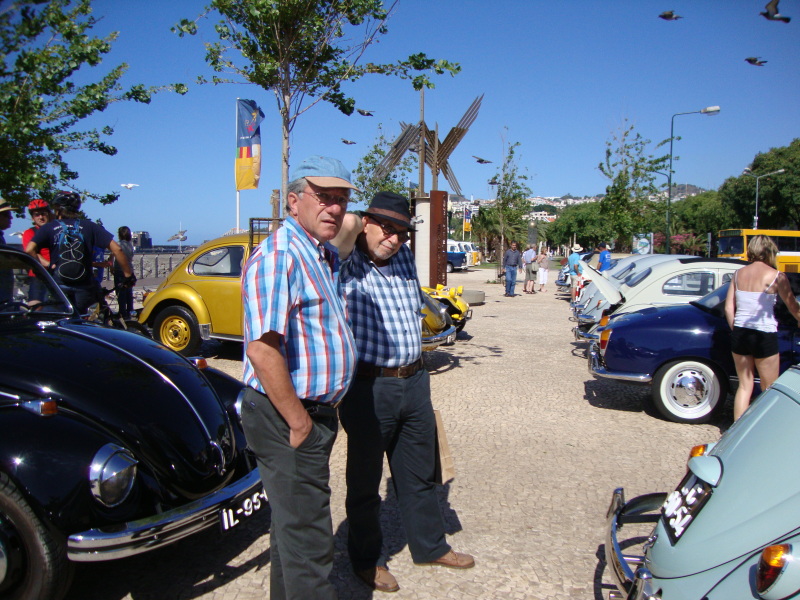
<point x="756" y="310"/>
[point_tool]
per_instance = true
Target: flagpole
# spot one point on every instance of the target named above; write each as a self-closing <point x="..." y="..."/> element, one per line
<point x="235" y="134"/>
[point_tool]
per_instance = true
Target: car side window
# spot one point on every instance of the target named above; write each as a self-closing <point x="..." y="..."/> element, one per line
<point x="221" y="262"/>
<point x="697" y="283"/>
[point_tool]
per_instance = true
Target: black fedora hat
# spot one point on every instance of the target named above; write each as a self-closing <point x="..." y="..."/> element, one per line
<point x="388" y="206"/>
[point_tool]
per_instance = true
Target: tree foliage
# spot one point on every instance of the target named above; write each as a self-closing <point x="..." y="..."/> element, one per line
<point x="304" y="50"/>
<point x="703" y="213"/>
<point x="396" y="181"/>
<point x="43" y="44"/>
<point x="584" y="222"/>
<point x="778" y="207"/>
<point x="511" y="205"/>
<point x="632" y="171"/>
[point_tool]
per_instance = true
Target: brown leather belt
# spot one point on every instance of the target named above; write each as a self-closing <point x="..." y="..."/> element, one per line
<point x="320" y="410"/>
<point x="368" y="370"/>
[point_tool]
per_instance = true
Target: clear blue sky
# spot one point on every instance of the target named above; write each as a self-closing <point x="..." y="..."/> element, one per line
<point x="558" y="77"/>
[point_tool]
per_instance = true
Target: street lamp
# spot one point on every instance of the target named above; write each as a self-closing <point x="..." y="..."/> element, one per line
<point x="757" y="177"/>
<point x="708" y="110"/>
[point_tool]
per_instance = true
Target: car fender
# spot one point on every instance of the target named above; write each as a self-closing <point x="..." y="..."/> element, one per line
<point x="175" y="294"/>
<point x="54" y="477"/>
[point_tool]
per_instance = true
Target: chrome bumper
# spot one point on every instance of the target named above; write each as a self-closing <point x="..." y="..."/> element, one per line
<point x="448" y="336"/>
<point x="583" y="336"/>
<point x="585" y="319"/>
<point x="632" y="585"/>
<point x="147" y="534"/>
<point x="596" y="367"/>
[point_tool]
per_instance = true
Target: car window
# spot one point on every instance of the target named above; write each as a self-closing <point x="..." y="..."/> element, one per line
<point x="697" y="283"/>
<point x="726" y="277"/>
<point x="625" y="272"/>
<point x="714" y="302"/>
<point x="635" y="279"/>
<point x="222" y="262"/>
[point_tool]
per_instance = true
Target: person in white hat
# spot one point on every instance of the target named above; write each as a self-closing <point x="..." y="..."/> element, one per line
<point x="575" y="269"/>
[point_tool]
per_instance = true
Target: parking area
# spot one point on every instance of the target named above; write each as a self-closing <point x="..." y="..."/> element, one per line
<point x="538" y="445"/>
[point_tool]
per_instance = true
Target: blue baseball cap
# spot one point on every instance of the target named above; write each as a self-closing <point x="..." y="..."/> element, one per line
<point x="325" y="172"/>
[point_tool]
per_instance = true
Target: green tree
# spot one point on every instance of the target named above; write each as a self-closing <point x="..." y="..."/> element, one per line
<point x="584" y="222"/>
<point x="396" y="181"/>
<point x="632" y="171"/>
<point x="512" y="205"/>
<point x="702" y="213"/>
<point x="778" y="207"/>
<point x="301" y="50"/>
<point x="43" y="44"/>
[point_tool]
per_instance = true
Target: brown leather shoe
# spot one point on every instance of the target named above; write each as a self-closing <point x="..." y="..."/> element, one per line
<point x="453" y="560"/>
<point x="379" y="578"/>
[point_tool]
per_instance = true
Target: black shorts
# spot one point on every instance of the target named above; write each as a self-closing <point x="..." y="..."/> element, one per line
<point x="752" y="342"/>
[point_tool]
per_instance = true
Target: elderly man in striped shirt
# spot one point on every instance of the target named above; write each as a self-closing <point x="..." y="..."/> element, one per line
<point x="388" y="408"/>
<point x="299" y="360"/>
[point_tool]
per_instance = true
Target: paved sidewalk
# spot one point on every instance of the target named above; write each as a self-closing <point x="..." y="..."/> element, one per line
<point x="539" y="446"/>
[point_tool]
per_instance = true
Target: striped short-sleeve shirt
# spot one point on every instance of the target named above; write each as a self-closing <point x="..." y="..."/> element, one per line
<point x="289" y="287"/>
<point x="385" y="308"/>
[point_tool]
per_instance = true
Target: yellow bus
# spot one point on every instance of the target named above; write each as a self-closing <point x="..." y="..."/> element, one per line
<point x="732" y="243"/>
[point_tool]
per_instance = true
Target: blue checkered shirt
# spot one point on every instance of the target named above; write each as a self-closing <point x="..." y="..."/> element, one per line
<point x="385" y="310"/>
<point x="289" y="287"/>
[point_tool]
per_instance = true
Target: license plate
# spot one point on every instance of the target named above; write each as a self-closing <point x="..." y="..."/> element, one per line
<point x="682" y="505"/>
<point x="242" y="509"/>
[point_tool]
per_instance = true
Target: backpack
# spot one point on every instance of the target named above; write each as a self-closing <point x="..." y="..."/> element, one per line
<point x="72" y="250"/>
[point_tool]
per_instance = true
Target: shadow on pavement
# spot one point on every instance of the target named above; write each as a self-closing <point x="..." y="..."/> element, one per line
<point x="197" y="566"/>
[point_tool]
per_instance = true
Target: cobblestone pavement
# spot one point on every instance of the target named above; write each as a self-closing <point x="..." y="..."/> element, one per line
<point x="539" y="445"/>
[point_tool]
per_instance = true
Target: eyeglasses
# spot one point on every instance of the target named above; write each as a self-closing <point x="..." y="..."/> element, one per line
<point x="389" y="231"/>
<point x="328" y="199"/>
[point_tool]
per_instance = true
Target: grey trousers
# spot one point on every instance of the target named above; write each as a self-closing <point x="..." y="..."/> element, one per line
<point x="296" y="481"/>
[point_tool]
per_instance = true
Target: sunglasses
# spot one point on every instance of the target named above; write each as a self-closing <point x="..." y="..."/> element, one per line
<point x="328" y="199"/>
<point x="389" y="231"/>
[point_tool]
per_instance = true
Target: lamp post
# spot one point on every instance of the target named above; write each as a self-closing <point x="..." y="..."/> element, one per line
<point x="708" y="110"/>
<point x="757" y="177"/>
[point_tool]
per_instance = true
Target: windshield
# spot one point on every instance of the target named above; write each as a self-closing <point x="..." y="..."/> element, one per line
<point x="713" y="302"/>
<point x="730" y="245"/>
<point x="27" y="290"/>
<point x="636" y="278"/>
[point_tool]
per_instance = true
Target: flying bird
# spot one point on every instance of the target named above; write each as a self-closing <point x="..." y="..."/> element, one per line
<point x="481" y="161"/>
<point x="348" y="142"/>
<point x="180" y="236"/>
<point x="755" y="60"/>
<point x="130" y="186"/>
<point x="669" y="15"/>
<point x="365" y="113"/>
<point x="771" y="12"/>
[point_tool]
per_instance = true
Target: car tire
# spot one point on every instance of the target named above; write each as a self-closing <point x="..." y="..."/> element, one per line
<point x="176" y="327"/>
<point x="37" y="567"/>
<point x="688" y="391"/>
<point x="449" y="267"/>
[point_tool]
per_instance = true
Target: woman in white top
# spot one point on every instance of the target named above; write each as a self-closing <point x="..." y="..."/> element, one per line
<point x="750" y="310"/>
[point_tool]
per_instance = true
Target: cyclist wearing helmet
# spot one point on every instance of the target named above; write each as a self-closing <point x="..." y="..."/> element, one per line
<point x="71" y="241"/>
<point x="39" y="211"/>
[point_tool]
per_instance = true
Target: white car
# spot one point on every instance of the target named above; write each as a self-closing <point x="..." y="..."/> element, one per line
<point x="676" y="281"/>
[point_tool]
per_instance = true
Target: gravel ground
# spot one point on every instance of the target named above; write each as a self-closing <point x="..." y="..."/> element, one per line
<point x="538" y="445"/>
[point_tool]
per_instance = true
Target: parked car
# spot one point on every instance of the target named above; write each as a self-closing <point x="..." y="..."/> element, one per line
<point x="683" y="352"/>
<point x="731" y="528"/>
<point x="452" y="300"/>
<point x="111" y="445"/>
<point x="659" y="284"/>
<point x="456" y="258"/>
<point x="201" y="300"/>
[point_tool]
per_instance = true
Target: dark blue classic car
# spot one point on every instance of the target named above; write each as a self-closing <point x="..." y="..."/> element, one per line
<point x="683" y="352"/>
<point x="110" y="444"/>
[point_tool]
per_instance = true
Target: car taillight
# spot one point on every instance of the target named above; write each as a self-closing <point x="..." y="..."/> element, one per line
<point x="604" y="320"/>
<point x="604" y="335"/>
<point x="773" y="562"/>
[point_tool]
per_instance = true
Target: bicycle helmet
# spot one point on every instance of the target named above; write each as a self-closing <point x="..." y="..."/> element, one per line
<point x="38" y="204"/>
<point x="69" y="200"/>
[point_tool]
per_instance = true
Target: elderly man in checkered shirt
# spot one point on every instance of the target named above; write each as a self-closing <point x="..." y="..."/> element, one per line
<point x="388" y="407"/>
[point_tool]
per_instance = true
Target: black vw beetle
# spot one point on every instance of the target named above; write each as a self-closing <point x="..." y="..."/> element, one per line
<point x="110" y="444"/>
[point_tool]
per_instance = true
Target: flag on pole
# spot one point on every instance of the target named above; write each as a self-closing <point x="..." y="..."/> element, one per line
<point x="248" y="143"/>
<point x="467" y="219"/>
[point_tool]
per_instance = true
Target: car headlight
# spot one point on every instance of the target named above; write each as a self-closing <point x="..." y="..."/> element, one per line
<point x="112" y="475"/>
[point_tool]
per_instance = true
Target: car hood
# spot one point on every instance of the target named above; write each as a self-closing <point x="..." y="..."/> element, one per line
<point x="604" y="286"/>
<point x="756" y="500"/>
<point x="150" y="399"/>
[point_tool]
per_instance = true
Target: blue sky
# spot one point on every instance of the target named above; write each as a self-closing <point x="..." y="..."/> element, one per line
<point x="558" y="77"/>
